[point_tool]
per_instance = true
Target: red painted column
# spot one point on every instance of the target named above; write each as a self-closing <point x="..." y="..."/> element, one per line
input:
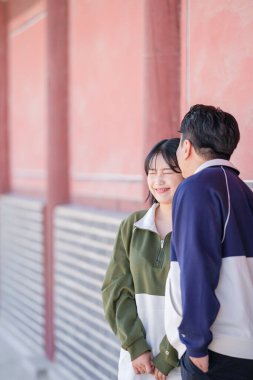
<point x="4" y="151"/>
<point x="58" y="158"/>
<point x="162" y="70"/>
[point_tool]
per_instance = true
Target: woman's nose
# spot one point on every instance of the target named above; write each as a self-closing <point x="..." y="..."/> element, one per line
<point x="159" y="179"/>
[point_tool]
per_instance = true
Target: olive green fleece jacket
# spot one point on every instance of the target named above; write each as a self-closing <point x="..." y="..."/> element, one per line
<point x="134" y="285"/>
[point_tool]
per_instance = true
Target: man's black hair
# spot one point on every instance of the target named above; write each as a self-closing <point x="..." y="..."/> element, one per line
<point x="213" y="133"/>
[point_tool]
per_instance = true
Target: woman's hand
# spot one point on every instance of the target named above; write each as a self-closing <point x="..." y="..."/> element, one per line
<point x="143" y="364"/>
<point x="159" y="375"/>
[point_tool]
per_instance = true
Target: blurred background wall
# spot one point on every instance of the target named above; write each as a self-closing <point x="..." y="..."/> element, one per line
<point x="86" y="88"/>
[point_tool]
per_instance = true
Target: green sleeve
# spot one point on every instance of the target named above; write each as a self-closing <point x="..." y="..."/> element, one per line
<point x="167" y="359"/>
<point x="119" y="297"/>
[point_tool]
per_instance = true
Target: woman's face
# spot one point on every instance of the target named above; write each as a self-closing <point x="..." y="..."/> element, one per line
<point x="162" y="180"/>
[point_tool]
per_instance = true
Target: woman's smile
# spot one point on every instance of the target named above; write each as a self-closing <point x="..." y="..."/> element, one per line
<point x="162" y="190"/>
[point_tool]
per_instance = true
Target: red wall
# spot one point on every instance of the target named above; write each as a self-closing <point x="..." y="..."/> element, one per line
<point x="106" y="91"/>
<point x="27" y="90"/>
<point x="217" y="61"/>
<point x="127" y="77"/>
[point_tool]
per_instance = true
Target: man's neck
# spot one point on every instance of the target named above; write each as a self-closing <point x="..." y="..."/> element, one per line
<point x="193" y="166"/>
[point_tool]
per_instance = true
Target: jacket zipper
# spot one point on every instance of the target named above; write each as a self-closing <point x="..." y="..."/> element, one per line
<point x="160" y="255"/>
<point x="157" y="261"/>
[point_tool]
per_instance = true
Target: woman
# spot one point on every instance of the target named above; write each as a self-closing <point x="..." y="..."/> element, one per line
<point x="134" y="285"/>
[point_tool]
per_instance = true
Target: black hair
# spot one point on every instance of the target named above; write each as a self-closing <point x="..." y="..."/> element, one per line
<point x="213" y="133"/>
<point x="167" y="148"/>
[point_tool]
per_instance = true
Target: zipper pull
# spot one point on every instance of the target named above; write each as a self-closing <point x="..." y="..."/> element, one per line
<point x="162" y="244"/>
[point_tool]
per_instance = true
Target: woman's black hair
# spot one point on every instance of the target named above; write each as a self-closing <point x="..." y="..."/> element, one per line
<point x="167" y="148"/>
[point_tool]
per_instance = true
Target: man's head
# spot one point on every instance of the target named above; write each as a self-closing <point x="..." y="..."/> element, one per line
<point x="206" y="133"/>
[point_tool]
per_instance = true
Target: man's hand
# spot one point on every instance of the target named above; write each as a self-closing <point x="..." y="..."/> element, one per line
<point x="159" y="375"/>
<point x="201" y="363"/>
<point x="143" y="364"/>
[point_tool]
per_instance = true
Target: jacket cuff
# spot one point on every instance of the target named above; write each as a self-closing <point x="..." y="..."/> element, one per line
<point x="137" y="348"/>
<point x="197" y="353"/>
<point x="162" y="365"/>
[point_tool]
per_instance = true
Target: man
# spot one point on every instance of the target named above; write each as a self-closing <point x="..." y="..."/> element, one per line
<point x="209" y="291"/>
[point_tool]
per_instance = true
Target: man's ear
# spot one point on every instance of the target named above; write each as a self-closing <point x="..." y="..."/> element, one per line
<point x="187" y="148"/>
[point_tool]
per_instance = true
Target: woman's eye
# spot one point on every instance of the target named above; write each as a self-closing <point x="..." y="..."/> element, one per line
<point x="151" y="172"/>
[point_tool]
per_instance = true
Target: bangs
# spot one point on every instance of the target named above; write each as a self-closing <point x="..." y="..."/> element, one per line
<point x="167" y="158"/>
